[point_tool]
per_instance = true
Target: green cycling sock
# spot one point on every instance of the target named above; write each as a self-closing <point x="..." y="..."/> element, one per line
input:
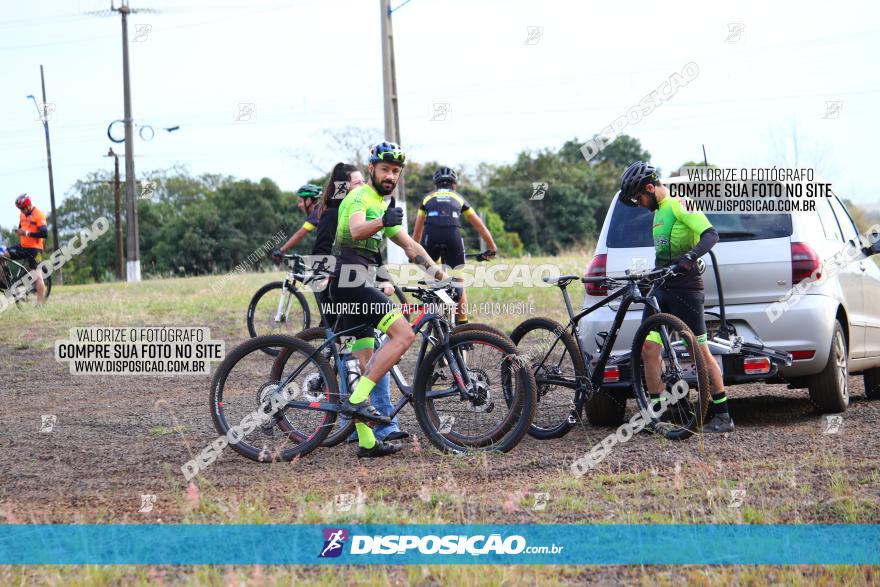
<point x="719" y="403"/>
<point x="366" y="438"/>
<point x="362" y="390"/>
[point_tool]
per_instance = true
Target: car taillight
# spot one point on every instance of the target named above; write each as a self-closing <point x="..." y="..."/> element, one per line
<point x="597" y="269"/>
<point x="756" y="365"/>
<point x="612" y="374"/>
<point x="802" y="355"/>
<point x="804" y="261"/>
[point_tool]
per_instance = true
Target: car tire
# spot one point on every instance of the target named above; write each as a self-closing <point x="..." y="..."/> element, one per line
<point x="872" y="383"/>
<point x="829" y="389"/>
<point x="603" y="409"/>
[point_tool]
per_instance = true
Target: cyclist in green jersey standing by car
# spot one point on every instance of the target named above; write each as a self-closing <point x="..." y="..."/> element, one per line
<point x="366" y="217"/>
<point x="680" y="238"/>
<point x="440" y="217"/>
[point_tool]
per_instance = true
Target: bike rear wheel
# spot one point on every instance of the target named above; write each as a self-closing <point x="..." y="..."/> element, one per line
<point x="250" y="393"/>
<point x="553" y="356"/>
<point x="276" y="309"/>
<point x="497" y="413"/>
<point x="683" y="372"/>
<point x="344" y="426"/>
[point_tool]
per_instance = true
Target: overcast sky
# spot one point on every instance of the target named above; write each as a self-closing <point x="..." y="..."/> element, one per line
<point x="767" y="71"/>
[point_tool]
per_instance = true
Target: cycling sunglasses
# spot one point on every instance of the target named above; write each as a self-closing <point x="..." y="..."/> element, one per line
<point x="392" y="156"/>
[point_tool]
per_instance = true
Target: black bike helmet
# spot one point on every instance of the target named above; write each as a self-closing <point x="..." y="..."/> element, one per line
<point x="633" y="180"/>
<point x="445" y="176"/>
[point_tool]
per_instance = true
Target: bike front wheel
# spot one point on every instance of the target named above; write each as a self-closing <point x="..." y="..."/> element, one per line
<point x="496" y="409"/>
<point x="683" y="375"/>
<point x="276" y="309"/>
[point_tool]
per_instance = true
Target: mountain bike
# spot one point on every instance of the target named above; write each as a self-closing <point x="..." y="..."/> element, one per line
<point x="281" y="305"/>
<point x="317" y="336"/>
<point x="12" y="272"/>
<point x="569" y="380"/>
<point x="469" y="392"/>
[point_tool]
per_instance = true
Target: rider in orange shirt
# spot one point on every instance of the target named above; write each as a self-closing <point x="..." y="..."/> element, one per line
<point x="33" y="231"/>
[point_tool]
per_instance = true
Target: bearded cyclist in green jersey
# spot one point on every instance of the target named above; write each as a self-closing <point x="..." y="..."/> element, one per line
<point x="680" y="238"/>
<point x="365" y="218"/>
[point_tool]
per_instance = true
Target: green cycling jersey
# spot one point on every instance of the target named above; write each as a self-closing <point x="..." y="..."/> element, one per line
<point x="675" y="230"/>
<point x="362" y="252"/>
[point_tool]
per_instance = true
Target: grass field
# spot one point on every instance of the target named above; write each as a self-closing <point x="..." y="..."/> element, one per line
<point x="119" y="438"/>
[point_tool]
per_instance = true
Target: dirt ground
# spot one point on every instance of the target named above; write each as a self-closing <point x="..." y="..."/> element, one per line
<point x="116" y="439"/>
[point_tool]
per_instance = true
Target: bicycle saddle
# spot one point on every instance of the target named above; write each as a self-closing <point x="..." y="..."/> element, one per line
<point x="561" y="280"/>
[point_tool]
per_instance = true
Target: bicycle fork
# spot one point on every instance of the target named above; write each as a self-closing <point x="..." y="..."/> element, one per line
<point x="283" y="303"/>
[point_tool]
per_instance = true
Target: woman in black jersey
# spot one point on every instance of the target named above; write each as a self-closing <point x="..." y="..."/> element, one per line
<point x="343" y="179"/>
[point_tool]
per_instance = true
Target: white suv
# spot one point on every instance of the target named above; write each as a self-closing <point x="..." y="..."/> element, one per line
<point x="831" y="328"/>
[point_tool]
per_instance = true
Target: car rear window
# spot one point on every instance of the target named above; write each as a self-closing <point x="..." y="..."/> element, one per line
<point x="631" y="227"/>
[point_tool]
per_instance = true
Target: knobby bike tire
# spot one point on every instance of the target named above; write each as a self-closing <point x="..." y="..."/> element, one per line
<point x="548" y="428"/>
<point x="695" y="422"/>
<point x="519" y="385"/>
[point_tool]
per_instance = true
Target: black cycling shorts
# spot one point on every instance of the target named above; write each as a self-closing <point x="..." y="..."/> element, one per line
<point x="30" y="257"/>
<point x="445" y="245"/>
<point x="367" y="307"/>
<point x="687" y="305"/>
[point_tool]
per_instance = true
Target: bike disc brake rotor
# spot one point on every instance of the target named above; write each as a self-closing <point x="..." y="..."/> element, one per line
<point x="263" y="394"/>
<point x="314" y="388"/>
<point x="480" y="397"/>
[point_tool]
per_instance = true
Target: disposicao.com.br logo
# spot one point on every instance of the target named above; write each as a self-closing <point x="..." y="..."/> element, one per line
<point x="334" y="539"/>
<point x="476" y="545"/>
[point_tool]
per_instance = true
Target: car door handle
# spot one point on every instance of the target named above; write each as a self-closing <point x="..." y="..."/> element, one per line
<point x="862" y="267"/>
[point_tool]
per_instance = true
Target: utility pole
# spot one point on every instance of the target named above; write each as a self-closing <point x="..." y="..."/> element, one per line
<point x="44" y="117"/>
<point x="120" y="257"/>
<point x="392" y="124"/>
<point x="133" y="247"/>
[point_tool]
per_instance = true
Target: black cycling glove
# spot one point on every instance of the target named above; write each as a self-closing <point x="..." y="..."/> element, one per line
<point x="392" y="217"/>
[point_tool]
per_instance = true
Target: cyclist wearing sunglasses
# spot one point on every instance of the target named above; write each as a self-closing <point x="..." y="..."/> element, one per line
<point x="440" y="217"/>
<point x="366" y="217"/>
<point x="680" y="238"/>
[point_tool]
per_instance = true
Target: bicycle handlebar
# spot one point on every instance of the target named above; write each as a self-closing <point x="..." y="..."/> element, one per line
<point x="482" y="256"/>
<point x="655" y="275"/>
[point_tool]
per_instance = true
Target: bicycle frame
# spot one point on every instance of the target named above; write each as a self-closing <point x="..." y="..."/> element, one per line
<point x="629" y="294"/>
<point x="460" y="375"/>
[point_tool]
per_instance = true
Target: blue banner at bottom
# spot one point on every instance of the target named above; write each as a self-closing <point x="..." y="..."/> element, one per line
<point x="440" y="544"/>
